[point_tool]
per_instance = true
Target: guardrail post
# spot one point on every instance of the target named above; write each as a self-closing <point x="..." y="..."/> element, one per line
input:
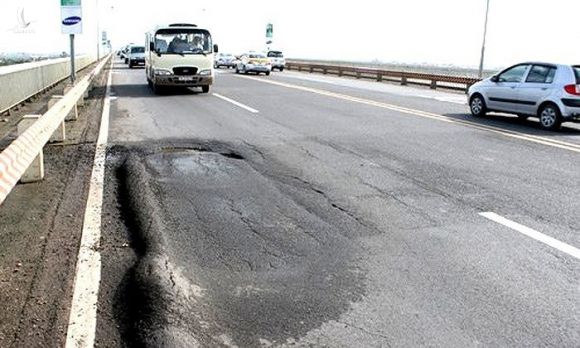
<point x="403" y="80"/>
<point x="60" y="133"/>
<point x="311" y="70"/>
<point x="324" y="71"/>
<point x="339" y="72"/>
<point x="433" y="84"/>
<point x="358" y="75"/>
<point x="379" y="77"/>
<point x="35" y="171"/>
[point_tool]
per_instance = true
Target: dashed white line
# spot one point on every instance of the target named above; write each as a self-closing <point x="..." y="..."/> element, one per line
<point x="245" y="107"/>
<point x="540" y="237"/>
<point x="83" y="314"/>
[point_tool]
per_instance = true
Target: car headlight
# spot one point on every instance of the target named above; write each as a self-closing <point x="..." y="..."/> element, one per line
<point x="162" y="72"/>
<point x="206" y="72"/>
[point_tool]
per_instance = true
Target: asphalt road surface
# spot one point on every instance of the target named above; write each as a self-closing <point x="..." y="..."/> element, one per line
<point x="303" y="210"/>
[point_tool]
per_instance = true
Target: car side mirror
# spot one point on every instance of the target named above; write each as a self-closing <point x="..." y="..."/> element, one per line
<point x="151" y="46"/>
<point x="495" y="78"/>
<point x="215" y="48"/>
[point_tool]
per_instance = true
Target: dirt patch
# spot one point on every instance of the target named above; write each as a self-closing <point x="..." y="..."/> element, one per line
<point x="40" y="227"/>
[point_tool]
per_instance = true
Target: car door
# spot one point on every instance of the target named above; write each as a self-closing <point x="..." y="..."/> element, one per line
<point x="503" y="93"/>
<point x="537" y="86"/>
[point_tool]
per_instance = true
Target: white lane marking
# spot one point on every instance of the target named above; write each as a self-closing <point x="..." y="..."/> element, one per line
<point x="496" y="130"/>
<point x="83" y="314"/>
<point x="540" y="237"/>
<point x="245" y="107"/>
<point x="450" y="99"/>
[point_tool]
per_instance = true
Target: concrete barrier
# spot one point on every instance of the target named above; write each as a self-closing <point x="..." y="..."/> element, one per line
<point x="20" y="82"/>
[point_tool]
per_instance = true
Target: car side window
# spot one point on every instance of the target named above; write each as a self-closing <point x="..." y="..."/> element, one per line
<point x="541" y="74"/>
<point x="515" y="74"/>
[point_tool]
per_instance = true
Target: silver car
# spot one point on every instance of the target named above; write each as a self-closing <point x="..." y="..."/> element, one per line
<point x="550" y="92"/>
<point x="224" y="59"/>
<point x="277" y="59"/>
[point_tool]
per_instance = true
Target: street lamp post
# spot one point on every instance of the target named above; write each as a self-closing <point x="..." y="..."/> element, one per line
<point x="483" y="45"/>
<point x="98" y="32"/>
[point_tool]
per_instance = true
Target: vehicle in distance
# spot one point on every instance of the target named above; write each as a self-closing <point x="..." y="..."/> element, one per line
<point x="277" y="60"/>
<point x="123" y="53"/>
<point x="550" y="92"/>
<point x="136" y="56"/>
<point x="179" y="55"/>
<point x="224" y="59"/>
<point x="254" y="62"/>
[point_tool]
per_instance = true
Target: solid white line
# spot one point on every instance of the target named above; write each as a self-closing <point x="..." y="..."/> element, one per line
<point x="254" y="111"/>
<point x="83" y="314"/>
<point x="540" y="237"/>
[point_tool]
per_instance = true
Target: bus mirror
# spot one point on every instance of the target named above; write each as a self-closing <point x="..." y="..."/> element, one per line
<point x="215" y="49"/>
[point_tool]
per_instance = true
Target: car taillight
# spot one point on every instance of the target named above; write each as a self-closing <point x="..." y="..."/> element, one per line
<point x="573" y="89"/>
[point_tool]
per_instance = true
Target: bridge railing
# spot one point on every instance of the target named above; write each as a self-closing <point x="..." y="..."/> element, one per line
<point x="20" y="82"/>
<point x="403" y="77"/>
<point x="23" y="159"/>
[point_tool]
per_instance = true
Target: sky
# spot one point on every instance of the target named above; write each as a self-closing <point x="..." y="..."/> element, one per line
<point x="441" y="32"/>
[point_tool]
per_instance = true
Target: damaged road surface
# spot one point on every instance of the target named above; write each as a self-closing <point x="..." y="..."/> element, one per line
<point x="229" y="253"/>
<point x="317" y="220"/>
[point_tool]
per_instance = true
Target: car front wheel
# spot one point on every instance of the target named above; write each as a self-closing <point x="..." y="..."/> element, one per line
<point x="205" y="89"/>
<point x="550" y="117"/>
<point x="477" y="106"/>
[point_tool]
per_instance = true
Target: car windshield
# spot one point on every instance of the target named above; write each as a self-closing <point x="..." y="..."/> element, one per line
<point x="274" y="54"/>
<point x="183" y="41"/>
<point x="577" y="73"/>
<point x="137" y="49"/>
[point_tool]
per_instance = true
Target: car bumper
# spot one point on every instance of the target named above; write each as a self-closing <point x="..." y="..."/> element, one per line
<point x="571" y="109"/>
<point x="184" y="81"/>
<point x="258" y="68"/>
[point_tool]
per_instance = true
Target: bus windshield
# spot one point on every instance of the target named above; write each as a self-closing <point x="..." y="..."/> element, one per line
<point x="183" y="41"/>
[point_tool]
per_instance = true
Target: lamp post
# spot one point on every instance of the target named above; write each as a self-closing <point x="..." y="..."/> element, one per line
<point x="98" y="32"/>
<point x="483" y="45"/>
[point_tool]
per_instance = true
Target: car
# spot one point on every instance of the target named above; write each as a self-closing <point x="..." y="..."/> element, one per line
<point x="277" y="60"/>
<point x="136" y="56"/>
<point x="548" y="91"/>
<point x="224" y="59"/>
<point x="125" y="53"/>
<point x="254" y="62"/>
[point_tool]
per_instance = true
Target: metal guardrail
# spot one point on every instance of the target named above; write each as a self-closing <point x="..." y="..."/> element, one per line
<point x="20" y="82"/>
<point x="23" y="158"/>
<point x="403" y="77"/>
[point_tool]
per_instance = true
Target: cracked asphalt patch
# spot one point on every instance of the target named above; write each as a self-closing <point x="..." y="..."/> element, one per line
<point x="230" y="250"/>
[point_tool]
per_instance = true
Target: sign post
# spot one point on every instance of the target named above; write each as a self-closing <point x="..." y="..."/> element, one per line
<point x="71" y="23"/>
